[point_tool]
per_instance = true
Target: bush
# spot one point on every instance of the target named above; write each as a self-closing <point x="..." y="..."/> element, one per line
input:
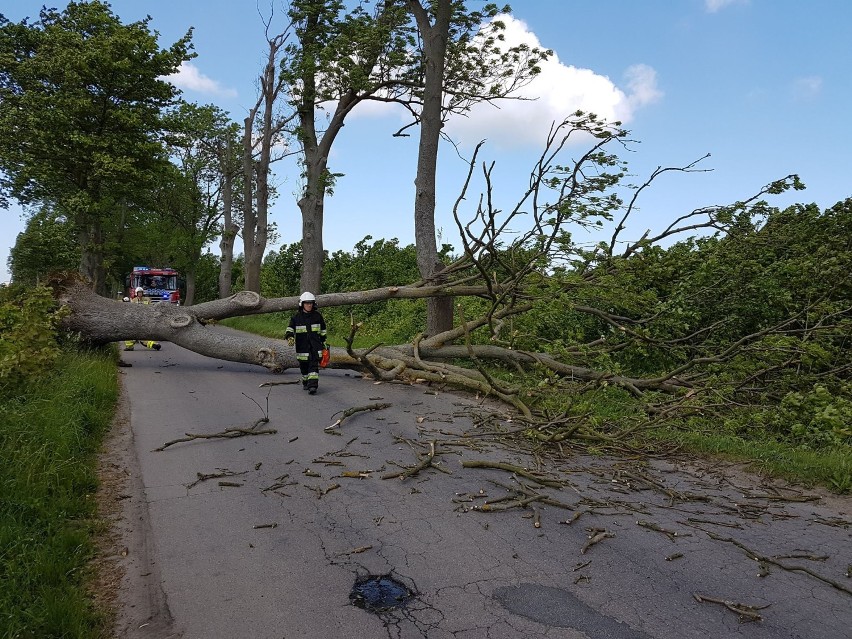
<point x="816" y="418"/>
<point x="28" y="336"/>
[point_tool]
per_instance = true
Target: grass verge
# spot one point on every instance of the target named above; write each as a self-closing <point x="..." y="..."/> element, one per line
<point x="48" y="447"/>
<point x="392" y="326"/>
<point x="829" y="467"/>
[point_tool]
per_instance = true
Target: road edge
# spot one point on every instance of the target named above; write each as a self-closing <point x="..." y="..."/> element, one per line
<point x="127" y="579"/>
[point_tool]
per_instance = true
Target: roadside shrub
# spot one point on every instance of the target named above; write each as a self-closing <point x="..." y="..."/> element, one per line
<point x="815" y="418"/>
<point x="28" y="336"/>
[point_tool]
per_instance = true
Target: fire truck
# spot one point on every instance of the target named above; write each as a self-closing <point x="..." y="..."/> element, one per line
<point x="158" y="284"/>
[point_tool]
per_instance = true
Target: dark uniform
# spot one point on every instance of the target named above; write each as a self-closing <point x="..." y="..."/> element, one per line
<point x="310" y="334"/>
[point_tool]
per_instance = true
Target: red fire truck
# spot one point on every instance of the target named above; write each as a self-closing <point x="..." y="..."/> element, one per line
<point x="158" y="284"/>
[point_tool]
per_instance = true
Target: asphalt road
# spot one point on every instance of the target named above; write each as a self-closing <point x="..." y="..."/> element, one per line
<point x="264" y="536"/>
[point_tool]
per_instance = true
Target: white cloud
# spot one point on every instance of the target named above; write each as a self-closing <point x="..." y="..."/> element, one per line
<point x="712" y="6"/>
<point x="554" y="94"/>
<point x="807" y="88"/>
<point x="190" y="78"/>
<point x="642" y="83"/>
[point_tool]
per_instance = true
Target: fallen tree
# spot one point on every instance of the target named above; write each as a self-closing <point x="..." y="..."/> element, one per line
<point x="631" y="324"/>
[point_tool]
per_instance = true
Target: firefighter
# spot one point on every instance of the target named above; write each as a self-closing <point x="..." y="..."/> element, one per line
<point x="307" y="332"/>
<point x="128" y="344"/>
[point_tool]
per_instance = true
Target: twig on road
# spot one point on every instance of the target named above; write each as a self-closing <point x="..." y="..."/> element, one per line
<point x="745" y="611"/>
<point x="355" y="409"/>
<point x="425" y="462"/>
<point x="597" y="535"/>
<point x="228" y="433"/>
<point x="205" y="476"/>
<point x="544" y="481"/>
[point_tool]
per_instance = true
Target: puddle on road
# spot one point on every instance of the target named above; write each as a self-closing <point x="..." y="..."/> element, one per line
<point x="379" y="593"/>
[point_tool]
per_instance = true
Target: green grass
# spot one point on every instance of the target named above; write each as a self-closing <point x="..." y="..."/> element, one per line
<point x="829" y="467"/>
<point x="392" y="324"/>
<point x="268" y="325"/>
<point x="48" y="446"/>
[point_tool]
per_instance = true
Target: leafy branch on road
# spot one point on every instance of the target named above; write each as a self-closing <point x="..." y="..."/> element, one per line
<point x="228" y="433"/>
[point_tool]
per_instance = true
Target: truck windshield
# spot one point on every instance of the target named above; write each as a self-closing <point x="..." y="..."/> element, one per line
<point x="160" y="282"/>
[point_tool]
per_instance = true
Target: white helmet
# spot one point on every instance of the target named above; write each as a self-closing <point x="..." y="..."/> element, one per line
<point x="139" y="289"/>
<point x="126" y="299"/>
<point x="307" y="296"/>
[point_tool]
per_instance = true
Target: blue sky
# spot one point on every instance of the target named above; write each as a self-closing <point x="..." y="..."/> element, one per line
<point x="762" y="85"/>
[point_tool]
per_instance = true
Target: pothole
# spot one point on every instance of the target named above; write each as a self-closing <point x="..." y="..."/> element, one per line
<point x="379" y="593"/>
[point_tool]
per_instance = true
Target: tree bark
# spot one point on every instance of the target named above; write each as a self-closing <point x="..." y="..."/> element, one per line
<point x="190" y="285"/>
<point x="256" y="220"/>
<point x="91" y="256"/>
<point x="439" y="312"/>
<point x="229" y="229"/>
<point x="249" y="217"/>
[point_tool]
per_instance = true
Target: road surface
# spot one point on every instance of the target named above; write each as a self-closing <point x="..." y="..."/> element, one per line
<point x="275" y="536"/>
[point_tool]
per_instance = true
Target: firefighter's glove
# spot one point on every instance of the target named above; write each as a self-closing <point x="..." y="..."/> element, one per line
<point x="291" y="341"/>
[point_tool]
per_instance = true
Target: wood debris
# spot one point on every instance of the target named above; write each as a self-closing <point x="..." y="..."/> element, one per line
<point x="746" y="612"/>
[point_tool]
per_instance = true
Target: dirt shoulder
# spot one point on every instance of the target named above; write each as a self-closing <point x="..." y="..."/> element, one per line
<point x="125" y="578"/>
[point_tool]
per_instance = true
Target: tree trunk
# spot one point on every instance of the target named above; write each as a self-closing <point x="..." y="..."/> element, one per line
<point x="252" y="277"/>
<point x="102" y="320"/>
<point x="229" y="229"/>
<point x="189" y="275"/>
<point x="255" y="227"/>
<point x="311" y="207"/>
<point x="439" y="312"/>
<point x="90" y="237"/>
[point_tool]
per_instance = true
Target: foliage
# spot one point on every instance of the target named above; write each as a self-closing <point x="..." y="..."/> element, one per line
<point x="46" y="245"/>
<point x="92" y="90"/>
<point x="207" y="278"/>
<point x="370" y="265"/>
<point x="815" y="418"/>
<point x="48" y="443"/>
<point x="191" y="202"/>
<point x="28" y="336"/>
<point x="279" y="276"/>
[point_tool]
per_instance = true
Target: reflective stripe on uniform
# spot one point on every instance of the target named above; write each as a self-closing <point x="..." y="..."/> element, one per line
<point x="313" y="375"/>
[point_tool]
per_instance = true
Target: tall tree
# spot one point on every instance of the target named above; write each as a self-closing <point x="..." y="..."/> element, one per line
<point x="262" y="130"/>
<point x="231" y="212"/>
<point x="85" y="93"/>
<point x="462" y="62"/>
<point x="45" y="245"/>
<point x="340" y="59"/>
<point x="195" y="200"/>
<point x="434" y="36"/>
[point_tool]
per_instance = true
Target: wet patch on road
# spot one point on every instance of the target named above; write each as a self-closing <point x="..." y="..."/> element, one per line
<point x="379" y="593"/>
<point x="558" y="607"/>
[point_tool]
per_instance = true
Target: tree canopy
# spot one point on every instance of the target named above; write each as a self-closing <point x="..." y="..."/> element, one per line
<point x="81" y="99"/>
